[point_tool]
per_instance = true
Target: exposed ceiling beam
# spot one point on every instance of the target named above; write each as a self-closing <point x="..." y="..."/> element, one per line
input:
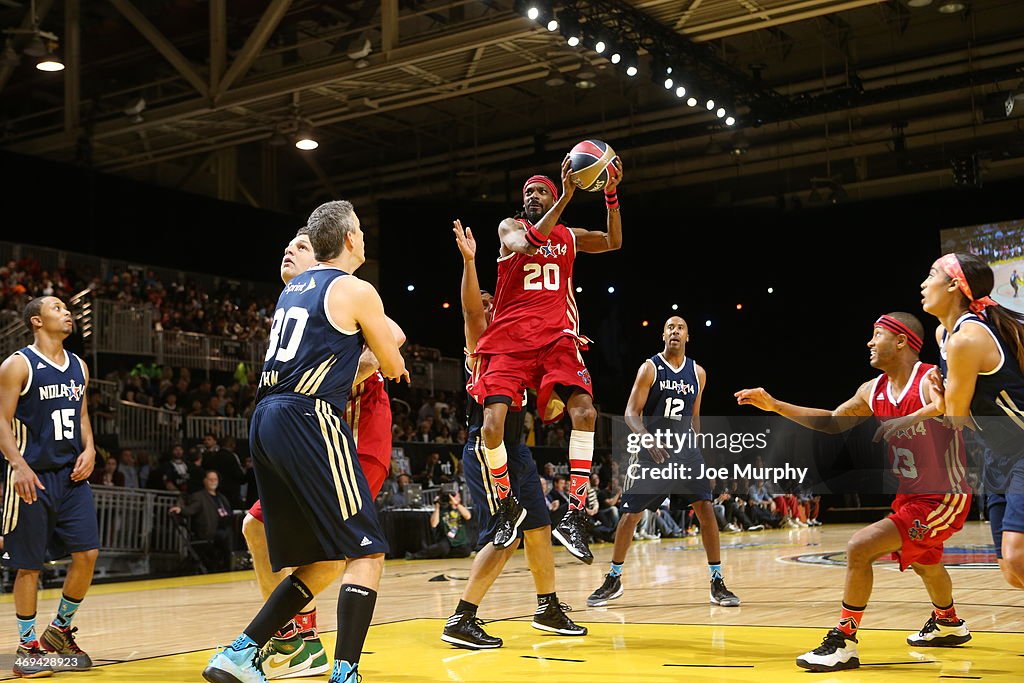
<point x="73" y="71"/>
<point x="162" y="45"/>
<point x="218" y="41"/>
<point x="254" y="44"/>
<point x="388" y="25"/>
<point x="42" y="9"/>
<point x="287" y="81"/>
<point x="696" y="35"/>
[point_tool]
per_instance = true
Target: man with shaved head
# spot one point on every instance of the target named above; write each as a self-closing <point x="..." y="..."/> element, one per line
<point x="666" y="396"/>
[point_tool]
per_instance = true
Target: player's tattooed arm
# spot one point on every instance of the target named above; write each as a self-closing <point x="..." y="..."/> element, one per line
<point x="934" y="407"/>
<point x="512" y="234"/>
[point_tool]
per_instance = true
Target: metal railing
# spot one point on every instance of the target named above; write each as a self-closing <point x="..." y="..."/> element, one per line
<point x="140" y="426"/>
<point x="207" y="352"/>
<point x="136" y="522"/>
<point x="198" y="427"/>
<point x="13" y="335"/>
<point x="123" y="328"/>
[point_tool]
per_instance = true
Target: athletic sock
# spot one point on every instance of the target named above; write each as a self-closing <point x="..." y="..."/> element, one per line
<point x="616" y="568"/>
<point x="545" y="600"/>
<point x="497" y="463"/>
<point x="715" y="569"/>
<point x="466" y="608"/>
<point x="26" y="629"/>
<point x="945" y="613"/>
<point x="289" y="597"/>
<point x="306" y="621"/>
<point x="355" y="611"/>
<point x="849" y="620"/>
<point x="581" y="456"/>
<point x="65" y="612"/>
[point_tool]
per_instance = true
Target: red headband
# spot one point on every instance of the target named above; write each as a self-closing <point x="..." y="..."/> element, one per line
<point x="542" y="179"/>
<point x="887" y="322"/>
<point x="950" y="265"/>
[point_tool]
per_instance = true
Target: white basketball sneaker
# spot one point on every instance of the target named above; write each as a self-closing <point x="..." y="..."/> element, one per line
<point x="937" y="633"/>
<point x="837" y="651"/>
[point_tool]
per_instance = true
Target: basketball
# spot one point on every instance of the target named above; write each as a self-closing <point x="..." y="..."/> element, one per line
<point x="591" y="162"/>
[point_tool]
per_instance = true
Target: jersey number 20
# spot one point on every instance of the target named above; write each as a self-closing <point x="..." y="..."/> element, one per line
<point x="290" y="346"/>
<point x="538" y="277"/>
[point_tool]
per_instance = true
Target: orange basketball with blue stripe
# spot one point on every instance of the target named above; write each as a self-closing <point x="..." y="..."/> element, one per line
<point x="592" y="167"/>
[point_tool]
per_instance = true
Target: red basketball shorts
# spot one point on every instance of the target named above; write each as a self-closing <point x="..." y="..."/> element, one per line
<point x="925" y="523"/>
<point x="509" y="374"/>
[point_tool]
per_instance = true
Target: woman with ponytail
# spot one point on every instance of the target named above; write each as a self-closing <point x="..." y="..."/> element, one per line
<point x="982" y="355"/>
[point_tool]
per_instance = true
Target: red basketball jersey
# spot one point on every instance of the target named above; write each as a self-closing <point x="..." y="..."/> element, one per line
<point x="928" y="458"/>
<point x="368" y="413"/>
<point x="533" y="302"/>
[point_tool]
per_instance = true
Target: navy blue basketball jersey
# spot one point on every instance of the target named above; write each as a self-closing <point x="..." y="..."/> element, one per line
<point x="672" y="395"/>
<point x="308" y="354"/>
<point x="48" y="420"/>
<point x="998" y="402"/>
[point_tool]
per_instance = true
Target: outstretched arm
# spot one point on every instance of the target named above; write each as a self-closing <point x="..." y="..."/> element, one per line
<point x="473" y="313"/>
<point x="635" y="407"/>
<point x="852" y="412"/>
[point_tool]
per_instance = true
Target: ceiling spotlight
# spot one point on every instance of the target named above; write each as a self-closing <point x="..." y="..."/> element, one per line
<point x="553" y="25"/>
<point x="533" y="13"/>
<point x="720" y="113"/>
<point x="668" y="84"/>
<point x="692" y="102"/>
<point x="304" y="138"/>
<point x="410" y="288"/>
<point x="710" y="105"/>
<point x="573" y="41"/>
<point x="599" y="47"/>
<point x="50" y="62"/>
<point x="668" y="70"/>
<point x="952" y="6"/>
<point x="730" y="121"/>
<point x="680" y="91"/>
<point x="615" y="58"/>
<point x="631" y="70"/>
<point x="584" y="83"/>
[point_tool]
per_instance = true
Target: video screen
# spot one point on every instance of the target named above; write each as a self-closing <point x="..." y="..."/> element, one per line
<point x="1002" y="247"/>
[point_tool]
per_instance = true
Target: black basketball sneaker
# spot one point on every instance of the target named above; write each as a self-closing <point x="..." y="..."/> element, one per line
<point x="720" y="595"/>
<point x="572" y="532"/>
<point x="465" y="630"/>
<point x="551" y="617"/>
<point x="609" y="590"/>
<point x="510" y="515"/>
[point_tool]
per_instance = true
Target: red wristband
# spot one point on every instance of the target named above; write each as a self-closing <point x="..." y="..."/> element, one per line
<point x="535" y="236"/>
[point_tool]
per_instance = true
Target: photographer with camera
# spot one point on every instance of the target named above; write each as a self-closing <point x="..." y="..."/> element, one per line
<point x="449" y="524"/>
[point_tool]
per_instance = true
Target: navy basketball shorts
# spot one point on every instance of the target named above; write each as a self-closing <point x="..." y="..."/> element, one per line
<point x="642" y="491"/>
<point x="61" y="521"/>
<point x="522" y="472"/>
<point x="1006" y="509"/>
<point x="316" y="502"/>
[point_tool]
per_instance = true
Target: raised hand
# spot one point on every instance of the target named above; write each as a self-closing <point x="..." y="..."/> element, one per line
<point x="465" y="240"/>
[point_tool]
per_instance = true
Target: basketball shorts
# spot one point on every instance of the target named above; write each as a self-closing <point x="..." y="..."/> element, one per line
<point x="925" y="522"/>
<point x="316" y="501"/>
<point x="61" y="521"/>
<point x="373" y="470"/>
<point x="560" y="363"/>
<point x="522" y="472"/>
<point x="644" y="487"/>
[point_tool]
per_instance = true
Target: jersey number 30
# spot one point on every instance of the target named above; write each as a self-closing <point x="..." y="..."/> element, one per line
<point x="287" y="339"/>
<point x="541" y="278"/>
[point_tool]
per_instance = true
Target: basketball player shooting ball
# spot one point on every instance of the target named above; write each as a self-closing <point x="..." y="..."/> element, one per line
<point x="533" y="341"/>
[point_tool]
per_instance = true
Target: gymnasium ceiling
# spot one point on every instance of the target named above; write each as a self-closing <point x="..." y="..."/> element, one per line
<point x="868" y="97"/>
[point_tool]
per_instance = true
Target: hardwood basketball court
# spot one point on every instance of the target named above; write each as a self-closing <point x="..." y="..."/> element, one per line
<point x="662" y="629"/>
